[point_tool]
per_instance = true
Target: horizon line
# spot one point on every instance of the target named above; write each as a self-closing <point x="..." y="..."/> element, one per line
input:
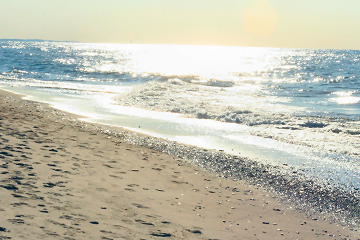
<point x="172" y="44"/>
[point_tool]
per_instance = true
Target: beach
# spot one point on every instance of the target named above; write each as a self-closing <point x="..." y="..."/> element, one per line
<point x="62" y="178"/>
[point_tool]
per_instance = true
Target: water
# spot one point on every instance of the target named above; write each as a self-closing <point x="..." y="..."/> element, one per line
<point x="283" y="107"/>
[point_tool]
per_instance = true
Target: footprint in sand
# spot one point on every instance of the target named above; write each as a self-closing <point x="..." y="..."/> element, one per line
<point x="139" y="205"/>
<point x="144" y="223"/>
<point x="160" y="234"/>
<point x="130" y="189"/>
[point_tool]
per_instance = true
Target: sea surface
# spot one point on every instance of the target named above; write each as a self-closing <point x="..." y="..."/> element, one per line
<point x="297" y="109"/>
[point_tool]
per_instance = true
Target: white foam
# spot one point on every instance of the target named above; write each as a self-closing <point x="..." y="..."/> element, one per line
<point x="241" y="104"/>
<point x="199" y="101"/>
<point x="63" y="85"/>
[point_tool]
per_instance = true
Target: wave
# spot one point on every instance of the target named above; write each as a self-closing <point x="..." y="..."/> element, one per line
<point x="74" y="86"/>
<point x="266" y="116"/>
<point x="202" y="100"/>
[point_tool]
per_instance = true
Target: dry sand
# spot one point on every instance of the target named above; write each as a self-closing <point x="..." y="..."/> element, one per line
<point x="61" y="180"/>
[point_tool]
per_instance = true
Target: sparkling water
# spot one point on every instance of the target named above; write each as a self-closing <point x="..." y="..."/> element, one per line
<point x="299" y="107"/>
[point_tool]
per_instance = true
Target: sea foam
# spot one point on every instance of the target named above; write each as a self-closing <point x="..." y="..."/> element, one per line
<point x="241" y="106"/>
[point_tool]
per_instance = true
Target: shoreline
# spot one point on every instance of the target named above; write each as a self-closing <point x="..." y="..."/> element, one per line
<point x="62" y="178"/>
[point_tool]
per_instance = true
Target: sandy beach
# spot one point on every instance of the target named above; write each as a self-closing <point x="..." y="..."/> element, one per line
<point x="61" y="179"/>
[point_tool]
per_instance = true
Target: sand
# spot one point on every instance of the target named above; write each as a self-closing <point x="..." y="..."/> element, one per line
<point x="60" y="179"/>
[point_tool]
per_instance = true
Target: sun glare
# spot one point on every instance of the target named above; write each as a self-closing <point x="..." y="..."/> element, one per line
<point x="345" y="98"/>
<point x="260" y="18"/>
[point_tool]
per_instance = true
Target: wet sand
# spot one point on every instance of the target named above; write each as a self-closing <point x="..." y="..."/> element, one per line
<point x="60" y="179"/>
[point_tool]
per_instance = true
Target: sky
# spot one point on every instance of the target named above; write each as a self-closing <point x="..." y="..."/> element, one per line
<point x="324" y="24"/>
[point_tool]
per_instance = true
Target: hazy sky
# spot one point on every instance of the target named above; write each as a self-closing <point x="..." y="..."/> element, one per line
<point x="267" y="23"/>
